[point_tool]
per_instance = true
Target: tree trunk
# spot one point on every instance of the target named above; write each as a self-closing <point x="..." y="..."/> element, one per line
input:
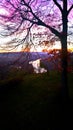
<point x="64" y="81"/>
<point x="64" y="52"/>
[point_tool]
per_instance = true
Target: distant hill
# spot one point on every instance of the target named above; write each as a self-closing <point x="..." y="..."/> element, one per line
<point x="20" y="60"/>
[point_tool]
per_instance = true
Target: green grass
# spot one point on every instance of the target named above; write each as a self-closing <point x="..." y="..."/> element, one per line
<point x="33" y="102"/>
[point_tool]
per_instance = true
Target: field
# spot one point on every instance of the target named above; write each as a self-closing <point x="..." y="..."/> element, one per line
<point x="34" y="102"/>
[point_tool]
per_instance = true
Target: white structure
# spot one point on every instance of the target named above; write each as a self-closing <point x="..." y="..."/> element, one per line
<point x="36" y="66"/>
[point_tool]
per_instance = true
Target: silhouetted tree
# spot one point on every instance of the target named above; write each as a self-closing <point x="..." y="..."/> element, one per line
<point x="54" y="15"/>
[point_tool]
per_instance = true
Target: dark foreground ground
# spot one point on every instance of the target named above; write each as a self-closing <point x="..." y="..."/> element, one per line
<point x="34" y="102"/>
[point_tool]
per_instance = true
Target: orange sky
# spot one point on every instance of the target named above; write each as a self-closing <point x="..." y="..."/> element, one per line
<point x="38" y="48"/>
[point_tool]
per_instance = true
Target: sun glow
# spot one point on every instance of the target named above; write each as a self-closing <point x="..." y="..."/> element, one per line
<point x="57" y="45"/>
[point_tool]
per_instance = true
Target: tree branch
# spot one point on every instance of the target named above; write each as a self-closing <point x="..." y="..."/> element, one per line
<point x="37" y="20"/>
<point x="40" y="22"/>
<point x="53" y="30"/>
<point x="58" y="5"/>
<point x="69" y="10"/>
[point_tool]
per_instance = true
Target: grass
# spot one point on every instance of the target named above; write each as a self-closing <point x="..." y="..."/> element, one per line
<point x="33" y="102"/>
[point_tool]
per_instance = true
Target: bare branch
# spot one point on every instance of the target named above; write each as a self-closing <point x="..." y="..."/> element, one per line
<point x="69" y="10"/>
<point x="23" y="13"/>
<point x="58" y="5"/>
<point x="53" y="30"/>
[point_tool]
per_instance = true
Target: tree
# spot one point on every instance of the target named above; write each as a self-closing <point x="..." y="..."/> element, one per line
<point x="54" y="15"/>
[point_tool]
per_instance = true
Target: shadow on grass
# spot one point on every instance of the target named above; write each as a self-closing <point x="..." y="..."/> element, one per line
<point x="26" y="108"/>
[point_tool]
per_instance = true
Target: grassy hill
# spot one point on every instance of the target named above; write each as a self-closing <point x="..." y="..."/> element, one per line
<point x="34" y="102"/>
